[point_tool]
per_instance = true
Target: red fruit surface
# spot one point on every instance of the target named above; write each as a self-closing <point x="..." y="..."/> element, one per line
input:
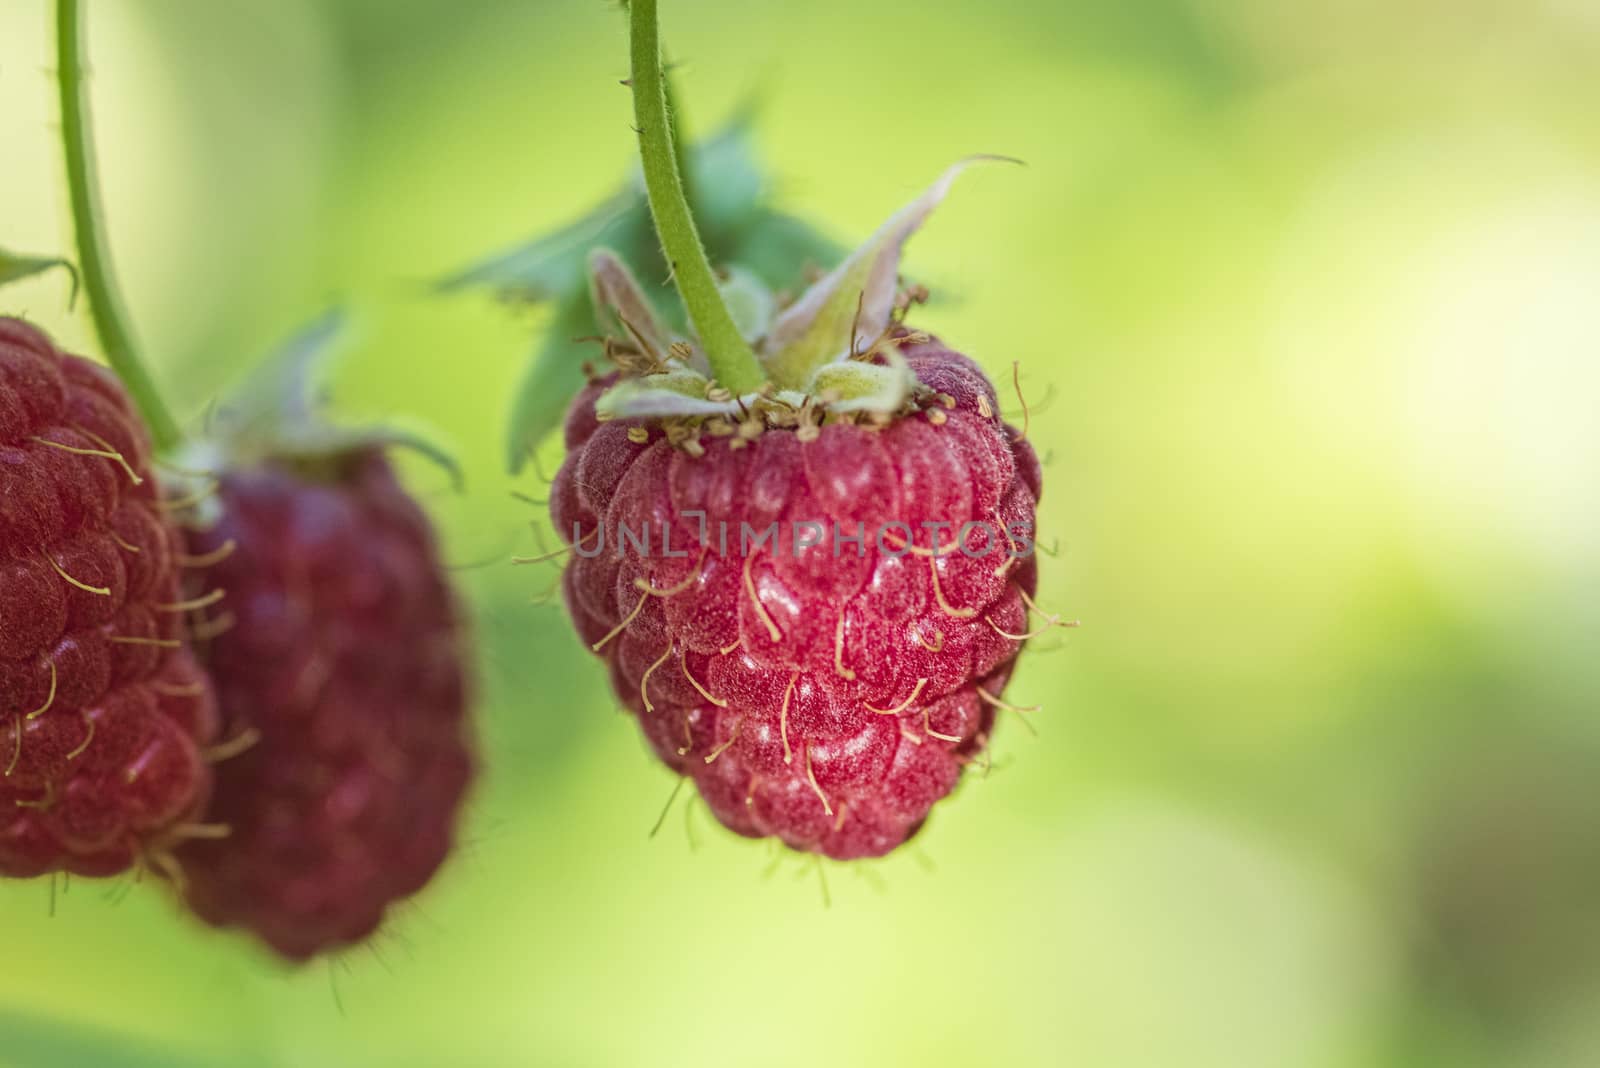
<point x="826" y="699"/>
<point x="346" y="658"/>
<point x="103" y="713"/>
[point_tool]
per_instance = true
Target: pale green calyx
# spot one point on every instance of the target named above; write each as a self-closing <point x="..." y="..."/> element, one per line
<point x="833" y="349"/>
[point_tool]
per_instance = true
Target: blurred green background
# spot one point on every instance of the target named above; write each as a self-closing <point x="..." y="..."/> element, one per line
<point x="1307" y="299"/>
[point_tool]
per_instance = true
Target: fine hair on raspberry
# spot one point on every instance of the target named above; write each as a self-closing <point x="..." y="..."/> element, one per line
<point x="105" y="717"/>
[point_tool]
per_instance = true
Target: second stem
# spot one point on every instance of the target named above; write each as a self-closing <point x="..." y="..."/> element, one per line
<point x="94" y="260"/>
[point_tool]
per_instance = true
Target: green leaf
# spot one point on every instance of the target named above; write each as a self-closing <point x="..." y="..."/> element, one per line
<point x="32" y="1040"/>
<point x="730" y="185"/>
<point x="749" y="301"/>
<point x="781" y="248"/>
<point x="727" y="172"/>
<point x="549" y="266"/>
<point x="848" y="309"/>
<point x="553" y="377"/>
<point x="14" y="268"/>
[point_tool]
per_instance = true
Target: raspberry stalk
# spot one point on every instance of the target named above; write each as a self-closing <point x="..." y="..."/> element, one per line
<point x="94" y="257"/>
<point x="732" y="361"/>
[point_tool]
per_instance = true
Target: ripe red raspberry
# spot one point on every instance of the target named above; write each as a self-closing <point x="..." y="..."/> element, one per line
<point x="822" y="696"/>
<point x="346" y="664"/>
<point x="103" y="712"/>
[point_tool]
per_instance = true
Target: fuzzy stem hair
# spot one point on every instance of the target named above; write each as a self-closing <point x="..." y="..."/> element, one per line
<point x="732" y="362"/>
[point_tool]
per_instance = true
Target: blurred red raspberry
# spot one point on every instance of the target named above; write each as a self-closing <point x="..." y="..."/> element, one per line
<point x="346" y="661"/>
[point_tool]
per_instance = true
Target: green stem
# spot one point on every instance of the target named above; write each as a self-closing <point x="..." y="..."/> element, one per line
<point x="675" y="125"/>
<point x="732" y="362"/>
<point x="99" y="281"/>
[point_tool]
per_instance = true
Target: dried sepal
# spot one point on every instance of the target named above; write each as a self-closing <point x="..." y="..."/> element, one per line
<point x="621" y="307"/>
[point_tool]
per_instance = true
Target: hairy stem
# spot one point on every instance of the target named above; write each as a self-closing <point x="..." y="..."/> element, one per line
<point x="94" y="259"/>
<point x="732" y="362"/>
<point x="675" y="127"/>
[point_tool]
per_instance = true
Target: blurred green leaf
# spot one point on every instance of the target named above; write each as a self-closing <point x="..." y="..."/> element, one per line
<point x="544" y="269"/>
<point x="32" y="1042"/>
<point x="781" y="249"/>
<point x="553" y="376"/>
<point x="15" y="267"/>
<point x="729" y="183"/>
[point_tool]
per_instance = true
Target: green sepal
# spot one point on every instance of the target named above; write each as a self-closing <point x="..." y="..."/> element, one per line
<point x="822" y="346"/>
<point x="281" y="391"/>
<point x="15" y="267"/>
<point x="846" y="311"/>
<point x="278" y="412"/>
<point x="308" y="446"/>
<point x="676" y="393"/>
<point x="855" y="386"/>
